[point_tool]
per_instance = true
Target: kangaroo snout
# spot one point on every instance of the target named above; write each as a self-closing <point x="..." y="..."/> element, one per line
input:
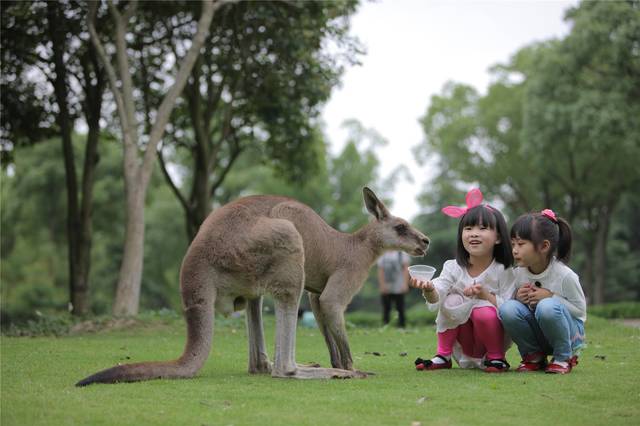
<point x="426" y="242"/>
<point x="424" y="246"/>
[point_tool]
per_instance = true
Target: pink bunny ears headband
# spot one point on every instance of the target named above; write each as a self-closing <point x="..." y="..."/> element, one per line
<point x="473" y="199"/>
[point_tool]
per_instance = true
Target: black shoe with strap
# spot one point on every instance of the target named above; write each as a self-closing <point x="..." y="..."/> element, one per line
<point x="496" y="365"/>
<point x="427" y="364"/>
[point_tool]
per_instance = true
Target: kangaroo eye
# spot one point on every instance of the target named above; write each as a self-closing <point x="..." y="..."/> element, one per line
<point x="401" y="229"/>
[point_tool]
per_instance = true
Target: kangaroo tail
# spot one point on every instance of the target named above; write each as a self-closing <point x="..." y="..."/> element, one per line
<point x="199" y="318"/>
<point x="136" y="372"/>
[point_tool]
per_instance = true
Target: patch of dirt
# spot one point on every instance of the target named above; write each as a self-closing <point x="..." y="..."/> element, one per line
<point x="108" y="325"/>
<point x="630" y="322"/>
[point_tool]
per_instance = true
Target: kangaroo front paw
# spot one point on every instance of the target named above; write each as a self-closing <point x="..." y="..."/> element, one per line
<point x="348" y="374"/>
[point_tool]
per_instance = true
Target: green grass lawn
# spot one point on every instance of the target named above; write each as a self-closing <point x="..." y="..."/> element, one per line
<point x="38" y="376"/>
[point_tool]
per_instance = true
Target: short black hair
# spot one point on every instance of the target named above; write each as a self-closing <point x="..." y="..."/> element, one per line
<point x="491" y="217"/>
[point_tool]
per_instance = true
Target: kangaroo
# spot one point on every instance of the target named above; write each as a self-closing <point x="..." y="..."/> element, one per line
<point x="276" y="245"/>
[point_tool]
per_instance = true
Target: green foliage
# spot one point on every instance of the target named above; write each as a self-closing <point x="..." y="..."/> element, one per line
<point x="630" y="310"/>
<point x="33" y="269"/>
<point x="43" y="325"/>
<point x="38" y="376"/>
<point x="582" y="106"/>
<point x="416" y="316"/>
<point x="589" y="120"/>
<point x="334" y="192"/>
<point x="165" y="246"/>
<point x="257" y="89"/>
<point x="26" y="114"/>
<point x="33" y="264"/>
<point x="63" y="324"/>
<point x="556" y="129"/>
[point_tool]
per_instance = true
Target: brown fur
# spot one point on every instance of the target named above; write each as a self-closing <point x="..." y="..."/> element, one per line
<point x="276" y="245"/>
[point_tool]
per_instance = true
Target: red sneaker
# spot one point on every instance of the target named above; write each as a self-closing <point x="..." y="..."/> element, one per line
<point x="573" y="361"/>
<point x="536" y="361"/>
<point x="427" y="364"/>
<point x="554" y="368"/>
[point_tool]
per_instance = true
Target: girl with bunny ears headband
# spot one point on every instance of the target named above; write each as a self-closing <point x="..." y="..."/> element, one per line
<point x="469" y="290"/>
<point x="476" y="213"/>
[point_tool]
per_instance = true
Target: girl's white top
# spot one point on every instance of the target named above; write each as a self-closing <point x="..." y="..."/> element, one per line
<point x="562" y="281"/>
<point x="453" y="307"/>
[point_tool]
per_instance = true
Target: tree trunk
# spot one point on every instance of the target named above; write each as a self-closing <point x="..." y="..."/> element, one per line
<point x="600" y="254"/>
<point x="137" y="175"/>
<point x="586" y="278"/>
<point x="128" y="291"/>
<point x="76" y="297"/>
<point x="93" y="110"/>
<point x="200" y="201"/>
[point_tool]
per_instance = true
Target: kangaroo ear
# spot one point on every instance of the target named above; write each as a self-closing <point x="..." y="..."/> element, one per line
<point x="375" y="206"/>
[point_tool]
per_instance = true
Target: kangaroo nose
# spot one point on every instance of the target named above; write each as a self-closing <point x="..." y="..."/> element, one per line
<point x="425" y="240"/>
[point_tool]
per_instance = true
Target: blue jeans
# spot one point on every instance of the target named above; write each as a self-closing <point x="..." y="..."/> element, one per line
<point x="549" y="329"/>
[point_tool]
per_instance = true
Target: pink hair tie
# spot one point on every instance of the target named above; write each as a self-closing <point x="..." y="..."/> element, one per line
<point x="550" y="214"/>
<point x="473" y="199"/>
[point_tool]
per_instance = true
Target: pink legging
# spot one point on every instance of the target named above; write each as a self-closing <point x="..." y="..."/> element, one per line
<point x="482" y="334"/>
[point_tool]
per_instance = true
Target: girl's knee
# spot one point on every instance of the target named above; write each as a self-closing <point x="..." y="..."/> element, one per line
<point x="547" y="308"/>
<point x="484" y="314"/>
<point x="510" y="310"/>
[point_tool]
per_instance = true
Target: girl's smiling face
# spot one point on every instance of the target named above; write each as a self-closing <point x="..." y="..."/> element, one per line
<point x="479" y="240"/>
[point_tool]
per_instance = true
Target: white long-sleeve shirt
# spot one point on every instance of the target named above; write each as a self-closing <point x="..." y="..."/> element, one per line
<point x="561" y="281"/>
<point x="453" y="307"/>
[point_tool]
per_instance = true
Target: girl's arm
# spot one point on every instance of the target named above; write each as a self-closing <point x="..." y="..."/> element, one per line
<point x="482" y="292"/>
<point x="573" y="297"/>
<point x="441" y="285"/>
<point x="506" y="286"/>
<point x="501" y="289"/>
<point x="446" y="280"/>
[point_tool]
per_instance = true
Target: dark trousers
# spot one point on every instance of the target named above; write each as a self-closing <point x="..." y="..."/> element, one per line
<point x="398" y="299"/>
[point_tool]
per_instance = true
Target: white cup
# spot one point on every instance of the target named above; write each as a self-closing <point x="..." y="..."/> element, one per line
<point x="422" y="272"/>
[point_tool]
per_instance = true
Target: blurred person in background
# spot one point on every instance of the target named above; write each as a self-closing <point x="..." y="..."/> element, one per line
<point x="393" y="283"/>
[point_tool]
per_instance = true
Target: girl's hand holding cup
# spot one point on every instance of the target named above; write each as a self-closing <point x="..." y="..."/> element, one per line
<point x="425" y="286"/>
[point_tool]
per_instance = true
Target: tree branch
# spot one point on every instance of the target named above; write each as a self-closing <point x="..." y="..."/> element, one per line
<point x="213" y="99"/>
<point x="172" y="185"/>
<point x="235" y="153"/>
<point x="164" y="112"/>
<point x="111" y="72"/>
<point x="226" y="131"/>
<point x="131" y="149"/>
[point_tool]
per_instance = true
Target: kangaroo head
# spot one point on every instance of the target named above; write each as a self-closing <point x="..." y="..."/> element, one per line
<point x="394" y="233"/>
